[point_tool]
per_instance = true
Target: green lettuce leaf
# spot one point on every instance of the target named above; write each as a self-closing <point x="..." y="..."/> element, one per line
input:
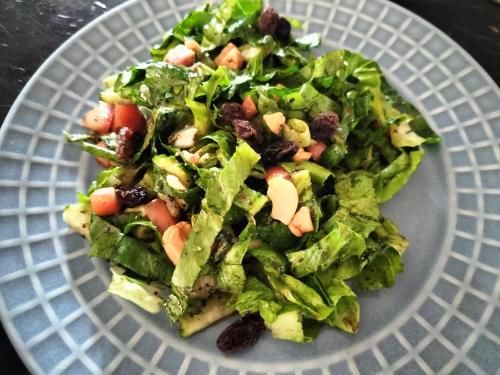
<point x="392" y="178"/>
<point x="257" y="297"/>
<point x="137" y="256"/>
<point x="191" y="26"/>
<point x="381" y="271"/>
<point x="202" y="117"/>
<point x="228" y="20"/>
<point x="358" y="207"/>
<point x="320" y="176"/>
<point x="345" y="314"/>
<point x="231" y="275"/>
<point x="299" y="293"/>
<point x="220" y="194"/>
<point x="144" y="295"/>
<point x="250" y="201"/>
<point x="151" y="83"/>
<point x="341" y="242"/>
<point x="271" y="260"/>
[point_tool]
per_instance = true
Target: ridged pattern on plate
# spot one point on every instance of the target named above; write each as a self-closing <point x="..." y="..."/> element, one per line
<point x="53" y="298"/>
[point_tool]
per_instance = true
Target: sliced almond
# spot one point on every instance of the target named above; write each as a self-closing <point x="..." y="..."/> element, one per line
<point x="174" y="239"/>
<point x="190" y="157"/>
<point x="284" y="197"/>
<point x="175" y="183"/>
<point x="184" y="138"/>
<point x="301" y="222"/>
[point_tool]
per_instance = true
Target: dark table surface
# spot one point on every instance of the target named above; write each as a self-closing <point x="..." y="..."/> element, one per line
<point x="31" y="30"/>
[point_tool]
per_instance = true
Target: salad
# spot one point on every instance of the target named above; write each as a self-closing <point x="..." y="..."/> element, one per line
<point x="243" y="174"/>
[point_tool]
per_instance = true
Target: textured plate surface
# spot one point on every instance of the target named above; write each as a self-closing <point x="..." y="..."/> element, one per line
<point x="443" y="315"/>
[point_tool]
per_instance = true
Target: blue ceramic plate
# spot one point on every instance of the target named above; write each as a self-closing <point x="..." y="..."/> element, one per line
<point x="443" y="314"/>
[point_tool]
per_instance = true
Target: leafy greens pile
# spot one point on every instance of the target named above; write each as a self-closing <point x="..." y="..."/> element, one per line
<point x="237" y="257"/>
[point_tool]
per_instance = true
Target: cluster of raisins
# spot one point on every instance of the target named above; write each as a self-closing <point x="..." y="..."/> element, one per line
<point x="131" y="196"/>
<point x="127" y="143"/>
<point x="279" y="151"/>
<point x="271" y="23"/>
<point x="324" y="126"/>
<point x="248" y="130"/>
<point x="229" y="112"/>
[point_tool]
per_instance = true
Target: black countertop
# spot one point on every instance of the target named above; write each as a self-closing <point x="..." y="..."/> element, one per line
<point x="31" y="30"/>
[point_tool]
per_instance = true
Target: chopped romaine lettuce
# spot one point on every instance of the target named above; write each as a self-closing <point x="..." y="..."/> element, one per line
<point x="194" y="136"/>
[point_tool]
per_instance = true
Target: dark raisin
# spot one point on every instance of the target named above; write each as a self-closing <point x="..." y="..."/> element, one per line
<point x="268" y="21"/>
<point x="324" y="126"/>
<point x="242" y="334"/>
<point x="279" y="151"/>
<point x="231" y="111"/>
<point x="127" y="142"/>
<point x="247" y="130"/>
<point x="131" y="196"/>
<point x="283" y="30"/>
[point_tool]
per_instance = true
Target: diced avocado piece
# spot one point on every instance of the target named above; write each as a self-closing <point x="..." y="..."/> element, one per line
<point x="170" y="165"/>
<point x="111" y="97"/>
<point x="288" y="326"/>
<point x="77" y="216"/>
<point x="215" y="309"/>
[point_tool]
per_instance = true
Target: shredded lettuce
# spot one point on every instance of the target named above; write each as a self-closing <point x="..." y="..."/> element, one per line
<point x="236" y="256"/>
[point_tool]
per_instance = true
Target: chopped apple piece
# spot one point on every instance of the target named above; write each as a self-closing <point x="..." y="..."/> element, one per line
<point x="275" y="122"/>
<point x="249" y="107"/>
<point x="316" y="150"/>
<point x="181" y="55"/>
<point x="230" y="57"/>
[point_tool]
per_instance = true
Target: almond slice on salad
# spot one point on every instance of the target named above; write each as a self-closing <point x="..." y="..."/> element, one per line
<point x="276" y="171"/>
<point x="175" y="183"/>
<point x="301" y="222"/>
<point x="190" y="157"/>
<point x="284" y="197"/>
<point x="174" y="239"/>
<point x="184" y="138"/>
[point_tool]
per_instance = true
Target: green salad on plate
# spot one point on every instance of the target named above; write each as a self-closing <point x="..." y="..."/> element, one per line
<point x="244" y="174"/>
